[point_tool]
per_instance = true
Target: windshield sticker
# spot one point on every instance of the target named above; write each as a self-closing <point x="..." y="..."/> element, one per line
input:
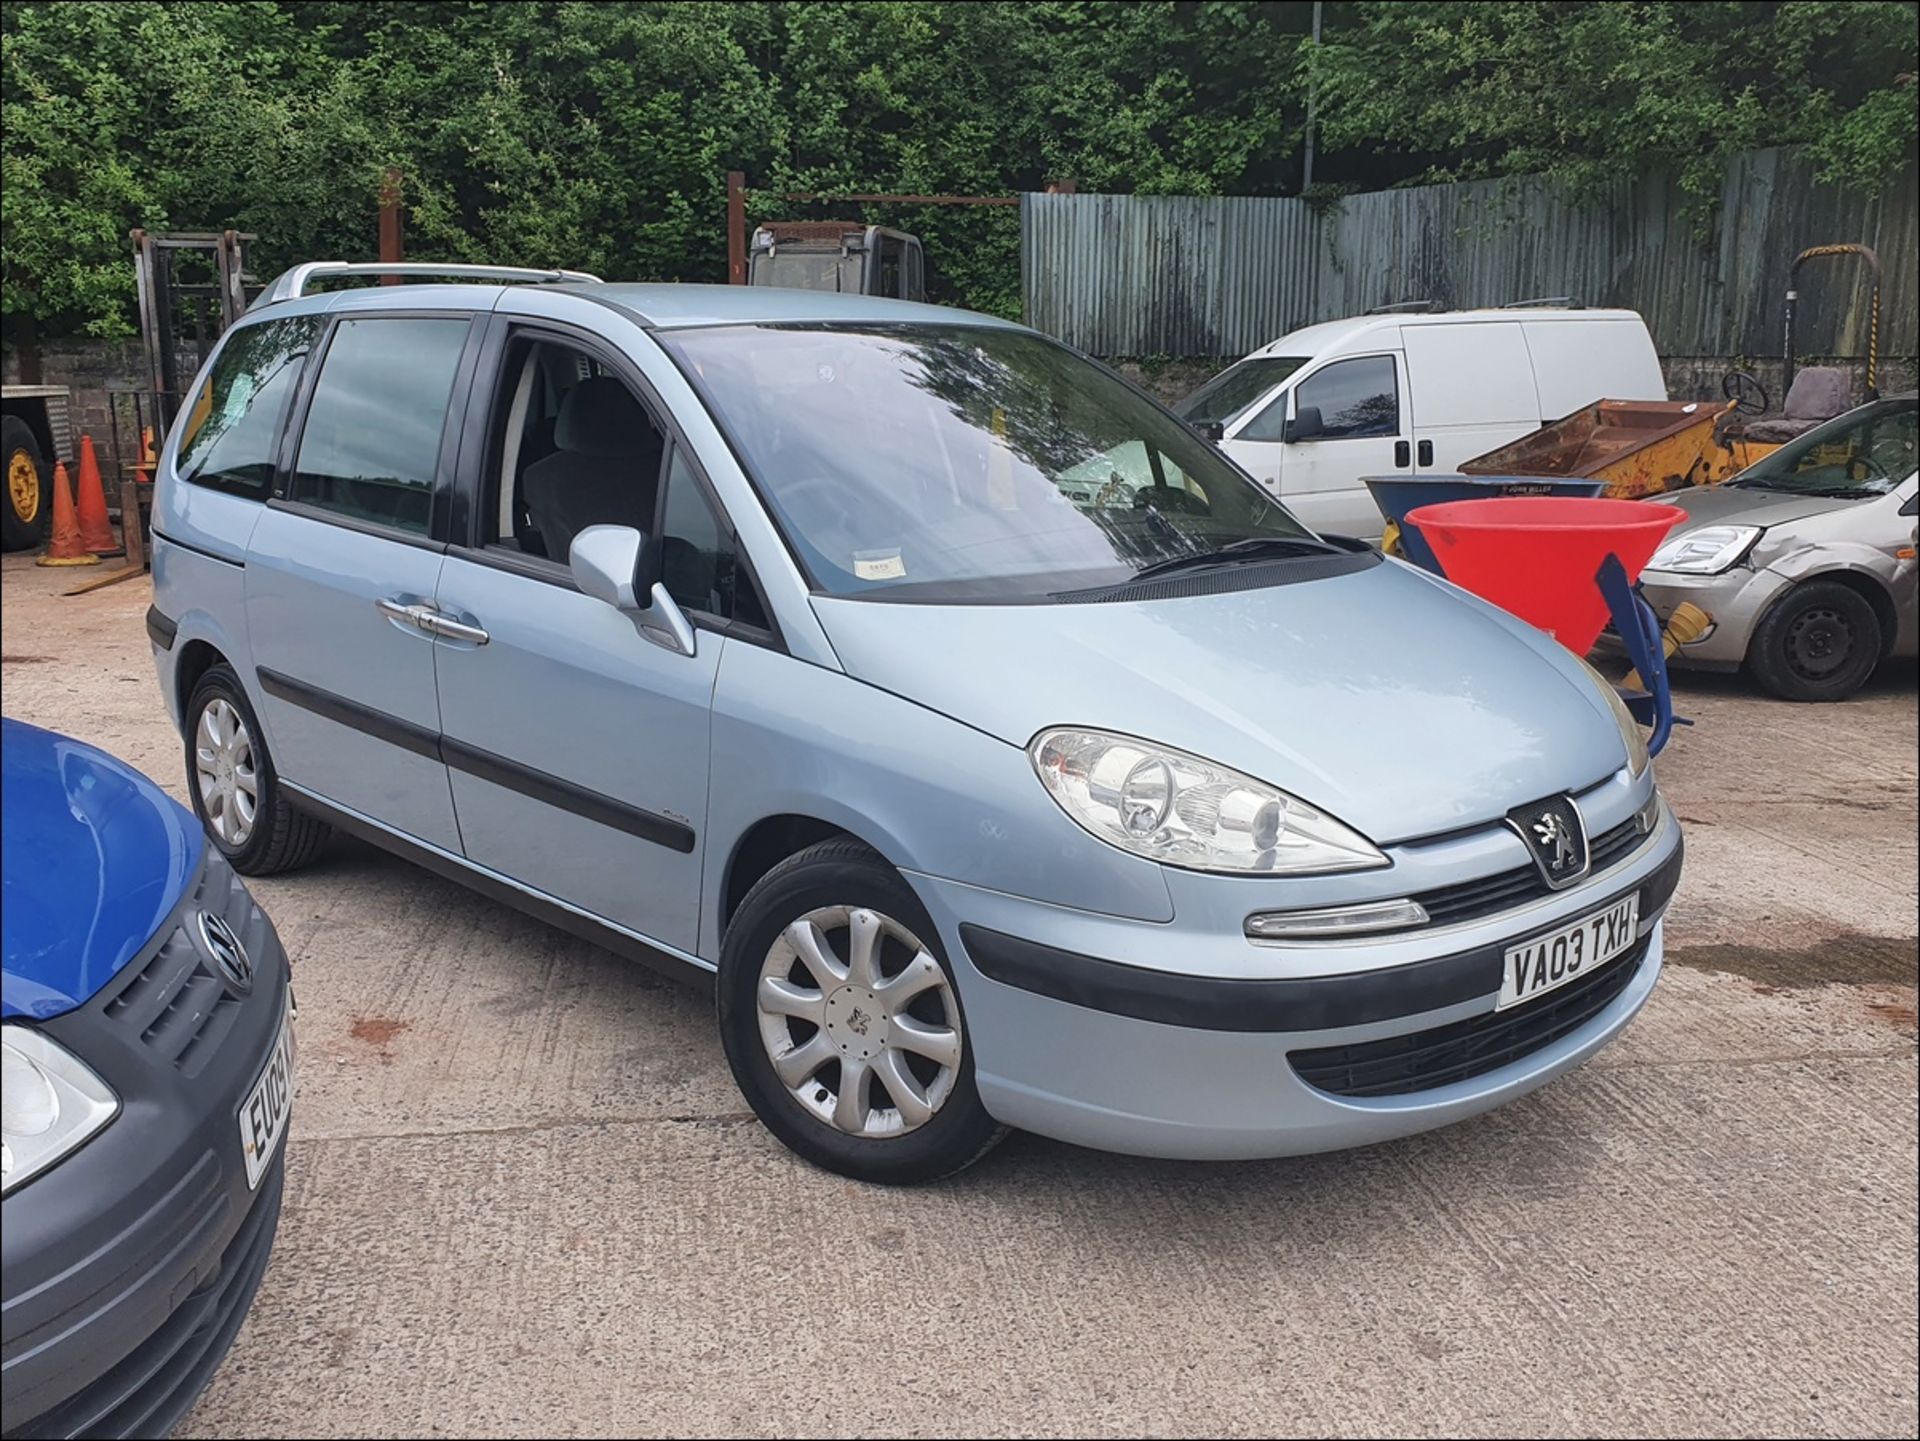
<point x="879" y="564"/>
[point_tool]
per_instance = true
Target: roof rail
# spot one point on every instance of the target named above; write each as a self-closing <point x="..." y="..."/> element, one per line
<point x="1545" y="302"/>
<point x="1408" y="307"/>
<point x="292" y="284"/>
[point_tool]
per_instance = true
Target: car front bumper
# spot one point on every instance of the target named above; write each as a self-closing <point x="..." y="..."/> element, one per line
<point x="1074" y="1036"/>
<point x="1734" y="600"/>
<point x="129" y="1266"/>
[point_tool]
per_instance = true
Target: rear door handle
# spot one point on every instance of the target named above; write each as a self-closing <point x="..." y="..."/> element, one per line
<point x="1402" y="454"/>
<point x="1426" y="452"/>
<point x="441" y="624"/>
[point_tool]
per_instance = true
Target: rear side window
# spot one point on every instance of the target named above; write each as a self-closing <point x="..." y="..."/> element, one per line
<point x="371" y="442"/>
<point x="230" y="437"/>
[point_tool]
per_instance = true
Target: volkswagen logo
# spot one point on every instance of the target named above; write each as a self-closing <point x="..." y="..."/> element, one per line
<point x="219" y="942"/>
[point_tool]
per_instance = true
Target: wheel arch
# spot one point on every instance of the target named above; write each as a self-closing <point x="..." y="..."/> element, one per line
<point x="1863" y="583"/>
<point x="761" y="847"/>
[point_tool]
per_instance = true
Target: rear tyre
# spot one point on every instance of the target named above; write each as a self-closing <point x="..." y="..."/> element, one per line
<point x="841" y="1022"/>
<point x="1820" y="642"/>
<point x="236" y="791"/>
<point x="23" y="514"/>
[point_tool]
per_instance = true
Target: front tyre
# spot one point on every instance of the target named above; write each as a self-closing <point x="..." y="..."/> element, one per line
<point x="1820" y="642"/>
<point x="841" y="1022"/>
<point x="236" y="792"/>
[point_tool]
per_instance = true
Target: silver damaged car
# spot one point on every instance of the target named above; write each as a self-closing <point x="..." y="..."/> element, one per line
<point x="997" y="752"/>
<point x="1804" y="563"/>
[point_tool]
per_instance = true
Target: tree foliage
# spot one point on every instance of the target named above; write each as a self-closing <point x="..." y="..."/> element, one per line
<point x="598" y="135"/>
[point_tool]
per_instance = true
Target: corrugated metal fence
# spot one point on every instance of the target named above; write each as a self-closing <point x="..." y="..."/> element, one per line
<point x="1140" y="275"/>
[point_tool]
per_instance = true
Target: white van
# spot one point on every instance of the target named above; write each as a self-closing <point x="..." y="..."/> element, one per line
<point x="1312" y="413"/>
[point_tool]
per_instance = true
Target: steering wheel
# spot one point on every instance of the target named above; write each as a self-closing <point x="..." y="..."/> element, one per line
<point x="1744" y="389"/>
<point x="1171" y="499"/>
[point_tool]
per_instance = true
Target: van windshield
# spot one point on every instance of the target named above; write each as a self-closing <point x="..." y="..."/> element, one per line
<point x="1237" y="387"/>
<point x="934" y="462"/>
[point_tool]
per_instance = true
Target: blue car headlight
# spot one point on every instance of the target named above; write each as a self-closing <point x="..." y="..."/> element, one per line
<point x="1178" y="809"/>
<point x="50" y="1103"/>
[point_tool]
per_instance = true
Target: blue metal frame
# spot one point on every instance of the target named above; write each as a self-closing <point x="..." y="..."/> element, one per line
<point x="1639" y="630"/>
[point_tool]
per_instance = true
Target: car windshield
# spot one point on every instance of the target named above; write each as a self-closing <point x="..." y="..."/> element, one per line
<point x="953" y="462"/>
<point x="1864" y="452"/>
<point x="1237" y="387"/>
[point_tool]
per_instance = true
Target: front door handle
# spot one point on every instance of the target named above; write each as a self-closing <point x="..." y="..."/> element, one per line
<point x="445" y="626"/>
<point x="1402" y="454"/>
<point x="406" y="612"/>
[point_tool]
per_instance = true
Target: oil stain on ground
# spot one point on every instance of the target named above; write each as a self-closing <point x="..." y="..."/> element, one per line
<point x="1848" y="959"/>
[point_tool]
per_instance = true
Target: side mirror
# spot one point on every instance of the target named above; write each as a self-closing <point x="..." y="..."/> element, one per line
<point x="1305" y="425"/>
<point x="1911" y="506"/>
<point x="1211" y="430"/>
<point x="605" y="561"/>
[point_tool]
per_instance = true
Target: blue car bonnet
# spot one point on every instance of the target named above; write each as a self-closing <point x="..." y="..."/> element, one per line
<point x="95" y="857"/>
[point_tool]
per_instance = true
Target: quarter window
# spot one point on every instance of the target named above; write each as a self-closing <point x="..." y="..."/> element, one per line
<point x="698" y="563"/>
<point x="230" y="438"/>
<point x="371" y="442"/>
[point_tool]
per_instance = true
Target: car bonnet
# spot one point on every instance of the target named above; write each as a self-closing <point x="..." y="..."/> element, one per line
<point x="96" y="856"/>
<point x="1390" y="699"/>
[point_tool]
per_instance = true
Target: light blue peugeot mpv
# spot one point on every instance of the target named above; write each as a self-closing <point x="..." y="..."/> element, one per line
<point x="999" y="752"/>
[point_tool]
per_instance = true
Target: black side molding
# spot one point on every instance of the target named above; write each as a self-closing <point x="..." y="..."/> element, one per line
<point x="549" y="789"/>
<point x="376" y="723"/>
<point x="201" y="550"/>
<point x="1318" y="1003"/>
<point x="585" y="927"/>
<point x="566" y="795"/>
<point x="161" y="630"/>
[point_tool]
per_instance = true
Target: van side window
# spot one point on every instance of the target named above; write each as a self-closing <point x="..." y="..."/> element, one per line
<point x="1355" y="398"/>
<point x="371" y="442"/>
<point x="577" y="449"/>
<point x="230" y="435"/>
<point x="698" y="562"/>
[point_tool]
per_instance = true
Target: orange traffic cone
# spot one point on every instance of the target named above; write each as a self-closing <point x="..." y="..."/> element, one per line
<point x="96" y="531"/>
<point x="65" y="547"/>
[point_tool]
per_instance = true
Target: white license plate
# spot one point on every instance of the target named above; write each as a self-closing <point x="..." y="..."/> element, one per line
<point x="269" y="1106"/>
<point x="1548" y="962"/>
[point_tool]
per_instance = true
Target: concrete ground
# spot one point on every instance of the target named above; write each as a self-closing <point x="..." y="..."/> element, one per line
<point x="524" y="1197"/>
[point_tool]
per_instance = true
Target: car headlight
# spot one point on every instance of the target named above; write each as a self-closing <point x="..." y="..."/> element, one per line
<point x="1631" y="735"/>
<point x="50" y="1103"/>
<point x="1706" y="551"/>
<point x="1175" y="808"/>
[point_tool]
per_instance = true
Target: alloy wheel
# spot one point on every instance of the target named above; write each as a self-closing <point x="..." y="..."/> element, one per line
<point x="859" y="1021"/>
<point x="223" y="761"/>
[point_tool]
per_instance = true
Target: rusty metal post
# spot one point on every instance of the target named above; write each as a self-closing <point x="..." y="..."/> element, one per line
<point x="144" y="285"/>
<point x="230" y="264"/>
<point x="393" y="248"/>
<point x="736" y="227"/>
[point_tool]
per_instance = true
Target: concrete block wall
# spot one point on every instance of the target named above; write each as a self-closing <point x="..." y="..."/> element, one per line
<point x="93" y="370"/>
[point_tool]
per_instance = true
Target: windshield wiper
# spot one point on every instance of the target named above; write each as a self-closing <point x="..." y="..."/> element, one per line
<point x="1826" y="492"/>
<point x="1253" y="547"/>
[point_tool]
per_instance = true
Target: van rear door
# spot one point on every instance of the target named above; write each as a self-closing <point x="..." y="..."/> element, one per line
<point x="1472" y="389"/>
